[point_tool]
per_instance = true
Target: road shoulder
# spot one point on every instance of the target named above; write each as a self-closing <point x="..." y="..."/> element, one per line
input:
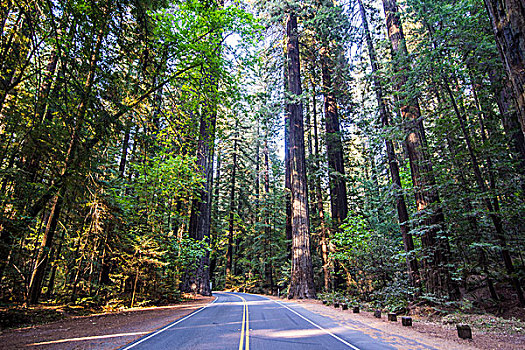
<point x="429" y="334"/>
<point x="105" y="331"/>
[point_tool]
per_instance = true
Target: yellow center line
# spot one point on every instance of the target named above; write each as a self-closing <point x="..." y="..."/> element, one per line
<point x="247" y="328"/>
<point x="243" y="323"/>
<point x="244" y="343"/>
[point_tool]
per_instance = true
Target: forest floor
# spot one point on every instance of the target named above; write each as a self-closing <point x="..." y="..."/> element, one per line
<point x="99" y="331"/>
<point x="488" y="332"/>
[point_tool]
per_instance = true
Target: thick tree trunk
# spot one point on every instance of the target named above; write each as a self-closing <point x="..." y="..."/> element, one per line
<point x="435" y="244"/>
<point x="323" y="228"/>
<point x="511" y="124"/>
<point x="334" y="150"/>
<point x="267" y="228"/>
<point x="302" y="282"/>
<point x="287" y="170"/>
<point x="402" y="212"/>
<point x="508" y="24"/>
<point x="197" y="280"/>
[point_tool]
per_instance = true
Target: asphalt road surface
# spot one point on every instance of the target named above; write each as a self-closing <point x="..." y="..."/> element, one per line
<point x="246" y="321"/>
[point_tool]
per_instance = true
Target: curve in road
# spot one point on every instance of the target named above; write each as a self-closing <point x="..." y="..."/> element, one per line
<point x="243" y="321"/>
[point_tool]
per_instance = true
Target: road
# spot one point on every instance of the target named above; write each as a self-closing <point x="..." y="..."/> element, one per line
<point x="246" y="321"/>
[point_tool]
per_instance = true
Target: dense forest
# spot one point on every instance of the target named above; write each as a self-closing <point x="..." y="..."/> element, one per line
<point x="362" y="148"/>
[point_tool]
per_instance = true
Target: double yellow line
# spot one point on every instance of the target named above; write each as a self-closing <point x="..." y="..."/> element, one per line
<point x="245" y="328"/>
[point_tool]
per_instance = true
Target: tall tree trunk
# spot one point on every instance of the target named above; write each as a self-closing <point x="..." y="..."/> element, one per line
<point x="510" y="121"/>
<point x="435" y="243"/>
<point x="197" y="280"/>
<point x="257" y="174"/>
<point x="287" y="169"/>
<point x="302" y="281"/>
<point x="215" y="212"/>
<point x="323" y="227"/>
<point x="267" y="228"/>
<point x="402" y="212"/>
<point x="334" y="150"/>
<point x="508" y="24"/>
<point x="334" y="146"/>
<point x="229" y="255"/>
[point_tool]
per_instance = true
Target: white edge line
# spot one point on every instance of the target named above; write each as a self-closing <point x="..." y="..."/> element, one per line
<point x="168" y="326"/>
<point x="315" y="324"/>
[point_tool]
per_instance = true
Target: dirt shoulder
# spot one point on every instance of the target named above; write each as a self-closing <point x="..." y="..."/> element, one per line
<point x="104" y="331"/>
<point x="431" y="334"/>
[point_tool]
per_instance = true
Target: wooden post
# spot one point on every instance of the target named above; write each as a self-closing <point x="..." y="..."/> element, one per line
<point x="377" y="314"/>
<point x="392" y="317"/>
<point x="406" y="321"/>
<point x="464" y="331"/>
<point x="355" y="310"/>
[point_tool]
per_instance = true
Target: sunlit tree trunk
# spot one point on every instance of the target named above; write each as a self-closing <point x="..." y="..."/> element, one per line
<point x="319" y="197"/>
<point x="435" y="272"/>
<point x="302" y="282"/>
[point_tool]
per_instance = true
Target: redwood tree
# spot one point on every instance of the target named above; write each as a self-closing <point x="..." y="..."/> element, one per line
<point x="302" y="282"/>
<point x="402" y="211"/>
<point x="436" y="255"/>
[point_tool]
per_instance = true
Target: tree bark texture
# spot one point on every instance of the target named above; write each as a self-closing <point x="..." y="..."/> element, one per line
<point x="434" y="242"/>
<point x="287" y="170"/>
<point x="267" y="224"/>
<point x="197" y="280"/>
<point x="319" y="200"/>
<point x="402" y="211"/>
<point x="302" y="282"/>
<point x="508" y="23"/>
<point x="334" y="145"/>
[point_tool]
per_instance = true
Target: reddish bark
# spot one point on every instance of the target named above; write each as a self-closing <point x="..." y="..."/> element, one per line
<point x="302" y="282"/>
